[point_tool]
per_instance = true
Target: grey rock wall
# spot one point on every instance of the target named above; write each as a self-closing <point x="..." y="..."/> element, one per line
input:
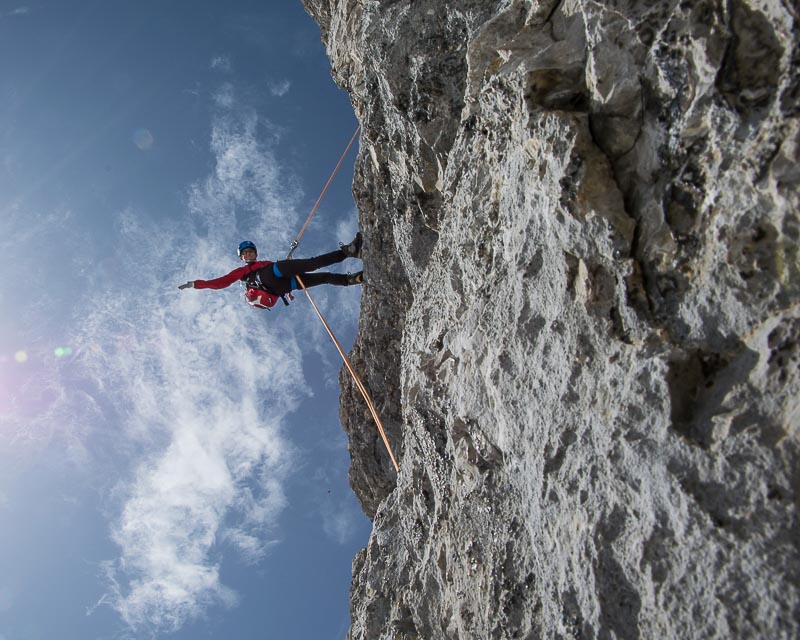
<point x="581" y="317"/>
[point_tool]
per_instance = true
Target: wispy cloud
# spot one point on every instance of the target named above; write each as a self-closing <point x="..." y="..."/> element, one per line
<point x="206" y="384"/>
<point x="247" y="190"/>
<point x="194" y="387"/>
<point x="183" y="500"/>
<point x="143" y="138"/>
<point x="341" y="517"/>
<point x="348" y="306"/>
<point x="19" y="11"/>
<point x="340" y="520"/>
<point x="341" y="307"/>
<point x="304" y="42"/>
<point x="222" y="63"/>
<point x="280" y="89"/>
<point x="223" y="97"/>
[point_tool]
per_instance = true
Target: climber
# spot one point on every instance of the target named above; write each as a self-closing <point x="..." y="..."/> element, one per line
<point x="267" y="281"/>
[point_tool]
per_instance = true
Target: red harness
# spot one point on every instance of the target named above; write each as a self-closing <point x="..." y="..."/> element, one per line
<point x="260" y="299"/>
<point x="258" y="296"/>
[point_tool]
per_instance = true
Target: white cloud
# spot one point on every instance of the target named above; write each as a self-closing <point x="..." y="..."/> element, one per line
<point x="179" y="505"/>
<point x="194" y="378"/>
<point x="340" y="515"/>
<point x="280" y="89"/>
<point x="206" y="383"/>
<point x="247" y="188"/>
<point x="340" y="521"/>
<point x="143" y="139"/>
<point x="348" y="306"/>
<point x="347" y="227"/>
<point x="224" y="97"/>
<point x="222" y="63"/>
<point x="19" y="11"/>
<point x="340" y="306"/>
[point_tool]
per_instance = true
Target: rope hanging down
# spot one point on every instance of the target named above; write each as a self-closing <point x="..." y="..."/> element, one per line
<point x="356" y="379"/>
<point x="336" y="342"/>
<point x="321" y="195"/>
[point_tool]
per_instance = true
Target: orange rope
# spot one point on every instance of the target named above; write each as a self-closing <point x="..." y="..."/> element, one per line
<point x="324" y="189"/>
<point x="336" y="342"/>
<point x="357" y="380"/>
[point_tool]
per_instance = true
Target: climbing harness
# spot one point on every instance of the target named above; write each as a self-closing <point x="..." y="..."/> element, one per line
<point x="257" y="294"/>
<point x="336" y="342"/>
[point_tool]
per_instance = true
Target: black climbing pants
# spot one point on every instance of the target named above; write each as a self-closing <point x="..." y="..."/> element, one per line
<point x="280" y="278"/>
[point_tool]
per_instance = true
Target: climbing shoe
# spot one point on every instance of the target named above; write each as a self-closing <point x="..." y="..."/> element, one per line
<point x="353" y="250"/>
<point x="355" y="278"/>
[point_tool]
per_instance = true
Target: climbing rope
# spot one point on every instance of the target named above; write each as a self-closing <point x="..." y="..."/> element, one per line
<point x="355" y="377"/>
<point x="321" y="195"/>
<point x="336" y="342"/>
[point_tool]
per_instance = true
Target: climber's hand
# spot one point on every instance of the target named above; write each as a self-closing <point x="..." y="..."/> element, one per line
<point x="188" y="285"/>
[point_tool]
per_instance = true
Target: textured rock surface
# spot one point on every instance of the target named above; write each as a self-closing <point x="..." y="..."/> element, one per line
<point x="581" y="319"/>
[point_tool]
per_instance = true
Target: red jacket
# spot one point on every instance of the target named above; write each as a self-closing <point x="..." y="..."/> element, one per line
<point x="233" y="276"/>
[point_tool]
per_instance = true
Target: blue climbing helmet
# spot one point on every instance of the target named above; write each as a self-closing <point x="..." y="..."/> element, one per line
<point x="246" y="245"/>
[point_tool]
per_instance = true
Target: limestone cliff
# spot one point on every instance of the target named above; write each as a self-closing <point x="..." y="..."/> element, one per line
<point x="581" y="321"/>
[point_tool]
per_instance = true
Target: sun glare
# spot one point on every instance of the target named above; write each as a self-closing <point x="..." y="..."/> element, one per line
<point x="21" y="387"/>
<point x="21" y="356"/>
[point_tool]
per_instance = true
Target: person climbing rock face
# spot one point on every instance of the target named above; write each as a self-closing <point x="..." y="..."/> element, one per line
<point x="267" y="282"/>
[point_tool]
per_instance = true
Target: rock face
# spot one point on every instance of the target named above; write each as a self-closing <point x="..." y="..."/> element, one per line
<point x="581" y="317"/>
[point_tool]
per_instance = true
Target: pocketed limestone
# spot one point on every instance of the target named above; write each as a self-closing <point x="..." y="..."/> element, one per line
<point x="580" y="320"/>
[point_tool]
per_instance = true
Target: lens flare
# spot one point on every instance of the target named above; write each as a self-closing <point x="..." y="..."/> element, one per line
<point x="60" y="352"/>
<point x="21" y="356"/>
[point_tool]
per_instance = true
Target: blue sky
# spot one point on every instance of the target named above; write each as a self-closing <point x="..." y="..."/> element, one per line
<point x="171" y="463"/>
